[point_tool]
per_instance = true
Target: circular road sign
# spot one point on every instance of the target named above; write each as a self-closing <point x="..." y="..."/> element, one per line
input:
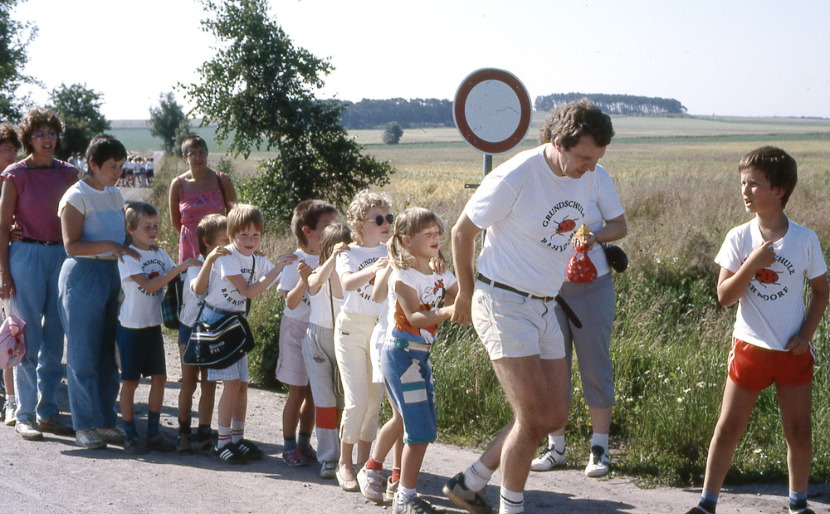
<point x="492" y="110"/>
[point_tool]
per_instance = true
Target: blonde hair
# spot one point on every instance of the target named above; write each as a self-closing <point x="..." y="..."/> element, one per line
<point x="211" y="226"/>
<point x="332" y="235"/>
<point x="243" y="215"/>
<point x="408" y="223"/>
<point x="360" y="207"/>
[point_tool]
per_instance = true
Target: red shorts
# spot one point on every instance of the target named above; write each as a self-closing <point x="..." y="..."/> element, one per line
<point x="756" y="368"/>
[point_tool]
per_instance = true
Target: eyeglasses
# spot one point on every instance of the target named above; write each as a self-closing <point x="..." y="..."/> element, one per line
<point x="45" y="135"/>
<point x="389" y="218"/>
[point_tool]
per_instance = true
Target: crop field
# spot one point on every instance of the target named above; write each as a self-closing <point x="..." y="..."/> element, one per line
<point x="677" y="178"/>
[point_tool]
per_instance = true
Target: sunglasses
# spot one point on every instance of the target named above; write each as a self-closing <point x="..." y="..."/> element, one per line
<point x="379" y="219"/>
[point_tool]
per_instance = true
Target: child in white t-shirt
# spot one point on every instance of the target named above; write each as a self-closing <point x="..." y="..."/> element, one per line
<point x="310" y="218"/>
<point x="212" y="235"/>
<point x="139" y="338"/>
<point x="764" y="265"/>
<point x="370" y="221"/>
<point x="233" y="280"/>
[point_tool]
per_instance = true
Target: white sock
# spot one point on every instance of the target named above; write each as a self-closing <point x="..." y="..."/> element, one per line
<point x="237" y="431"/>
<point x="557" y="442"/>
<point x="224" y="436"/>
<point x="403" y="494"/>
<point x="600" y="440"/>
<point x="477" y="476"/>
<point x="511" y="502"/>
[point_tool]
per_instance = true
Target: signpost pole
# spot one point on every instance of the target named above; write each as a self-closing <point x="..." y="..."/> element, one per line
<point x="488" y="164"/>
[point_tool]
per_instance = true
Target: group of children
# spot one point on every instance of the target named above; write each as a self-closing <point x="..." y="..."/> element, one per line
<point x="363" y="302"/>
<point x="137" y="171"/>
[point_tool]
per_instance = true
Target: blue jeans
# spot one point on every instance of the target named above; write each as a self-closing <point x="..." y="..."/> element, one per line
<point x="408" y="377"/>
<point x="35" y="269"/>
<point x="89" y="291"/>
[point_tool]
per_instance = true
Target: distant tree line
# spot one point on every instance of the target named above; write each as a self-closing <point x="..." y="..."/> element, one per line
<point x="615" y="104"/>
<point x="415" y="113"/>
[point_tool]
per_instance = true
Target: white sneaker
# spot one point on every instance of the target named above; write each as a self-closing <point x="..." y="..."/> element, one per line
<point x="598" y="463"/>
<point x="549" y="459"/>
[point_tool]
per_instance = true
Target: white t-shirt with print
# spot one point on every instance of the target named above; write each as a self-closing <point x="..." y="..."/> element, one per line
<point x="221" y="294"/>
<point x="140" y="308"/>
<point x="289" y="279"/>
<point x="431" y="291"/>
<point x="771" y="309"/>
<point x="530" y="215"/>
<point x="355" y="259"/>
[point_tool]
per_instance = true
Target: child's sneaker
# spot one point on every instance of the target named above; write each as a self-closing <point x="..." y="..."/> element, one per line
<point x="10" y="409"/>
<point x="203" y="445"/>
<point x="549" y="458"/>
<point x="54" y="425"/>
<point x="473" y="501"/>
<point x="160" y="443"/>
<point x="328" y="469"/>
<point x="249" y="450"/>
<point x="391" y="488"/>
<point x="598" y="463"/>
<point x="229" y="454"/>
<point x="135" y="446"/>
<point x="413" y="505"/>
<point x="183" y="446"/>
<point x="371" y="484"/>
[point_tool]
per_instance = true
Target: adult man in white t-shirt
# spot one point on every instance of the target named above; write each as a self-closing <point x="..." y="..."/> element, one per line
<point x="531" y="206"/>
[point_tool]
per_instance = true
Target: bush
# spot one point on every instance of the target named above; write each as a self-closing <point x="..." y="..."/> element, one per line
<point x="392" y="133"/>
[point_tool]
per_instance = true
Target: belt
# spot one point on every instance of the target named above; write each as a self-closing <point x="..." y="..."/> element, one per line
<point x="513" y="289"/>
<point x="405" y="344"/>
<point x="561" y="301"/>
<point x="45" y="243"/>
<point x="98" y="257"/>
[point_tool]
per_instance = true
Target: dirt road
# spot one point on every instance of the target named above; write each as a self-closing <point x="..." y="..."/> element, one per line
<point x="57" y="476"/>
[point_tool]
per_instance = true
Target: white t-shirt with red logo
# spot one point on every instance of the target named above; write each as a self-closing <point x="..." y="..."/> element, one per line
<point x="771" y="309"/>
<point x="355" y="259"/>
<point x="221" y="294"/>
<point x="530" y="215"/>
<point x="142" y="309"/>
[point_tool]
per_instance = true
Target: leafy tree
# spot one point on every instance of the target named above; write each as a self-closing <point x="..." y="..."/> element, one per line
<point x="260" y="91"/>
<point x="14" y="36"/>
<point x="392" y="133"/>
<point x="166" y="122"/>
<point x="80" y="110"/>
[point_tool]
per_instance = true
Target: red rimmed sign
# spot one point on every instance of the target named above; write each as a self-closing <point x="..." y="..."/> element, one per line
<point x="492" y="110"/>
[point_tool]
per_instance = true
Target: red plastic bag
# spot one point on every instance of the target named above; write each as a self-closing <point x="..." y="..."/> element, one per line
<point x="580" y="268"/>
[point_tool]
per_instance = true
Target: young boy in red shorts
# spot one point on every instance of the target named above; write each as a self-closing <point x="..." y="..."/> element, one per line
<point x="763" y="267"/>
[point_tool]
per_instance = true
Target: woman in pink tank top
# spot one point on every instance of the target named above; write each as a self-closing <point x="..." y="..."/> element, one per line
<point x="195" y="194"/>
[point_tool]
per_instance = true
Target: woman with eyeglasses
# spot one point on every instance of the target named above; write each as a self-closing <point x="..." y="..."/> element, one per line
<point x="29" y="268"/>
<point x="196" y="193"/>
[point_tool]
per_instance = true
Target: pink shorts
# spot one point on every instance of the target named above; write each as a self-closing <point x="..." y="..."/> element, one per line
<point x="756" y="368"/>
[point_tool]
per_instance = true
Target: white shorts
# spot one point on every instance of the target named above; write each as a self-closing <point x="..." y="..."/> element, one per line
<point x="511" y="325"/>
<point x="236" y="371"/>
<point x="290" y="365"/>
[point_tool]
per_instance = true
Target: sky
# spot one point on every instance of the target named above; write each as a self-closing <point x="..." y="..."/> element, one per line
<point x="727" y="57"/>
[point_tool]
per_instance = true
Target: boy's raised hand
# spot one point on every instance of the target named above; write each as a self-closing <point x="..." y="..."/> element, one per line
<point x="762" y="256"/>
<point x="340" y="248"/>
<point x="381" y="263"/>
<point x="189" y="263"/>
<point x="286" y="259"/>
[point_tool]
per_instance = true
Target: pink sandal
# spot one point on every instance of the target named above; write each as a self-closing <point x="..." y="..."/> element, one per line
<point x="295" y="458"/>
